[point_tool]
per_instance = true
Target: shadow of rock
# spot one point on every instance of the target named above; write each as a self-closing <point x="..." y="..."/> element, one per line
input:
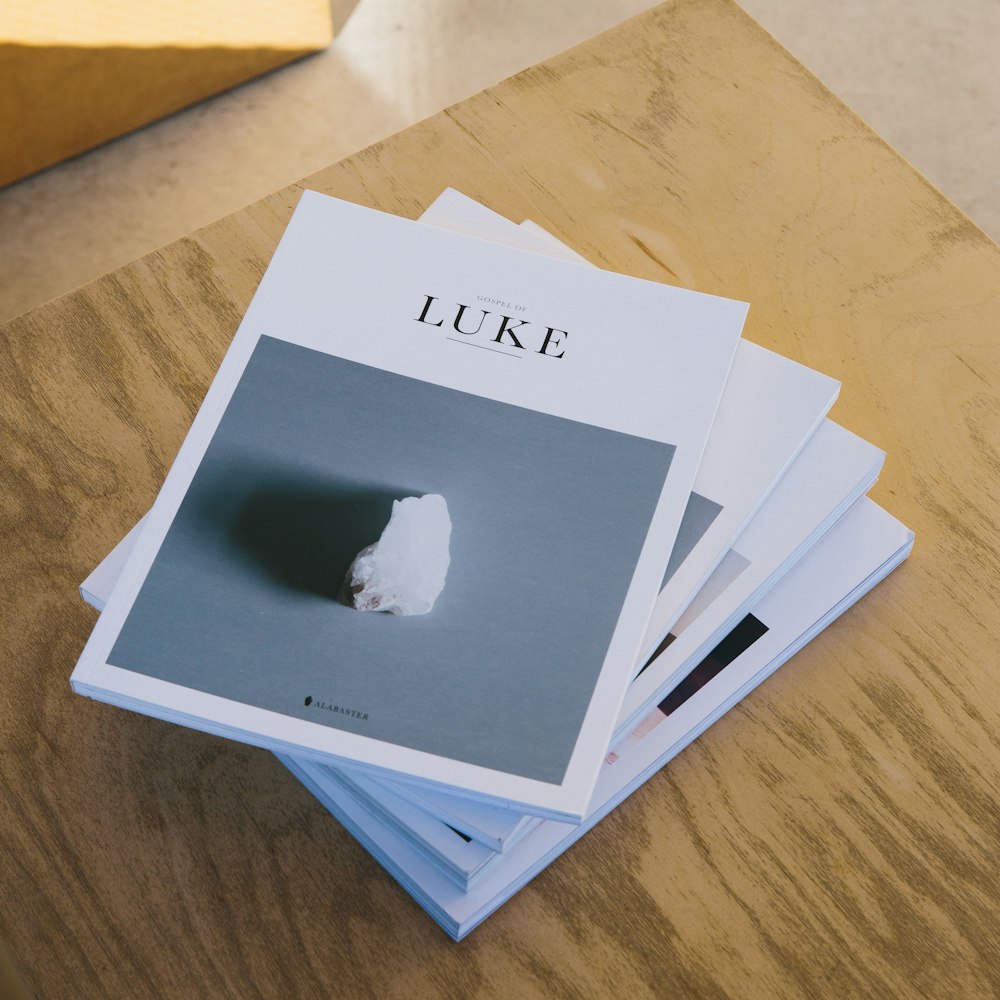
<point x="304" y="533"/>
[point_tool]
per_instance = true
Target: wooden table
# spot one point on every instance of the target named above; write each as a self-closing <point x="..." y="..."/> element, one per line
<point x="837" y="835"/>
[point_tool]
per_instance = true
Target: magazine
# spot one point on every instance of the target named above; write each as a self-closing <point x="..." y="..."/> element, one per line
<point x="581" y="412"/>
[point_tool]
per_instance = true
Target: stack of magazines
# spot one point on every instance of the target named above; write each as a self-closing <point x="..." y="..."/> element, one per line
<point x="648" y="516"/>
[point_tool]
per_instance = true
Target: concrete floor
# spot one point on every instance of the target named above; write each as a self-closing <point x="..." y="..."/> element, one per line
<point x="922" y="74"/>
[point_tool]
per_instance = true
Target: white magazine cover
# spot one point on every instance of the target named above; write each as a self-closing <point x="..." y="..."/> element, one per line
<point x="382" y="359"/>
<point x="460" y="858"/>
<point x="770" y="410"/>
<point x="553" y="244"/>
<point x="831" y="472"/>
<point x="459" y="213"/>
<point x="770" y="407"/>
<point x="858" y="552"/>
<point x="494" y="827"/>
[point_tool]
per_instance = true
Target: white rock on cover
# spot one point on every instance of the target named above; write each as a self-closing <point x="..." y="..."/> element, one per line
<point x="404" y="571"/>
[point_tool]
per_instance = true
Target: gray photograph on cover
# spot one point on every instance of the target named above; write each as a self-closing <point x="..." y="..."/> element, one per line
<point x="549" y="516"/>
<point x="699" y="515"/>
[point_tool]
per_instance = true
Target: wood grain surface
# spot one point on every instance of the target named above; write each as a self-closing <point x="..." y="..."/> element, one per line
<point x="836" y="835"/>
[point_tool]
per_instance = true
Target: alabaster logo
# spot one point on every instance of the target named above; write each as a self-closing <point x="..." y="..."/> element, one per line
<point x="329" y="706"/>
<point x="480" y="327"/>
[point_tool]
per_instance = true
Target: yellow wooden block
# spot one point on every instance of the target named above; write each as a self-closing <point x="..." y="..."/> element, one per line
<point x="75" y="73"/>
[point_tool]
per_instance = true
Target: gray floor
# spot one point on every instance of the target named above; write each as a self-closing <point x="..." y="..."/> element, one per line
<point x="923" y="75"/>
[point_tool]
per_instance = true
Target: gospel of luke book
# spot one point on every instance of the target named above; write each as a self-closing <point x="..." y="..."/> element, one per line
<point x="561" y="411"/>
